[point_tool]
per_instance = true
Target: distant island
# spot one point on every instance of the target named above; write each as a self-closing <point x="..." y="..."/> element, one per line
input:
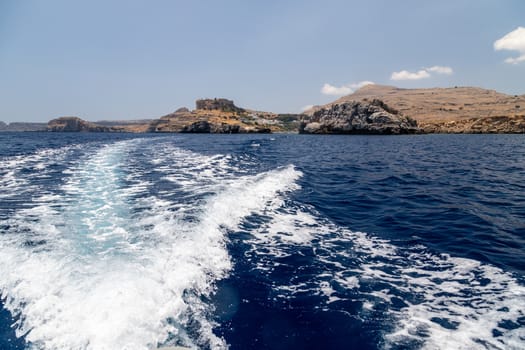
<point x="21" y="126"/>
<point x="373" y="109"/>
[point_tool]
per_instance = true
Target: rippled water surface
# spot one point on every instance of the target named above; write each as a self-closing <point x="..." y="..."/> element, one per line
<point x="116" y="241"/>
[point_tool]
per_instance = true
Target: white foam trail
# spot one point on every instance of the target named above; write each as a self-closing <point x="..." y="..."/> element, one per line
<point x="107" y="269"/>
<point x="195" y="173"/>
<point x="13" y="183"/>
<point x="464" y="303"/>
<point x="447" y="302"/>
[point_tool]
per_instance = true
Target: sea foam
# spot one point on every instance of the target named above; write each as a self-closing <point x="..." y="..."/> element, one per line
<point x="103" y="264"/>
<point x="427" y="300"/>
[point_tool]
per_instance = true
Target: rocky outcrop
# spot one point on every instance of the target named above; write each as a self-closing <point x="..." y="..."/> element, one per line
<point x="358" y="118"/>
<point x="219" y="116"/>
<point x="205" y="127"/>
<point x="217" y="104"/>
<point x="202" y="127"/>
<point x="487" y="125"/>
<point x="447" y="110"/>
<point x="75" y="124"/>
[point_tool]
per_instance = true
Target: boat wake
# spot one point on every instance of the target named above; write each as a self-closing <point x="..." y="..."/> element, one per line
<point x="125" y="250"/>
<point x="102" y="264"/>
<point x="422" y="300"/>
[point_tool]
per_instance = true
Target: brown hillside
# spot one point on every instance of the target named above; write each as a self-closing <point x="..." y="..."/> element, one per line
<point x="439" y="105"/>
<point x="221" y="114"/>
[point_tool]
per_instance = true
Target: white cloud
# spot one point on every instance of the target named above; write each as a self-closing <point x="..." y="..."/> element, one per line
<point x="328" y="89"/>
<point x="440" y="70"/>
<point x="421" y="74"/>
<point x="307" y="107"/>
<point x="406" y="75"/>
<point x="515" y="60"/>
<point x="513" y="41"/>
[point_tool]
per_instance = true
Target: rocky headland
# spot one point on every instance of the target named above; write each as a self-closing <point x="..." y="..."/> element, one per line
<point x="217" y="115"/>
<point x="448" y="110"/>
<point x="75" y="124"/>
<point x="354" y="117"/>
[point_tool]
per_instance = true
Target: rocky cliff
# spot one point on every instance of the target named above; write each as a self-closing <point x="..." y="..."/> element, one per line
<point x="75" y="124"/>
<point x="358" y="118"/>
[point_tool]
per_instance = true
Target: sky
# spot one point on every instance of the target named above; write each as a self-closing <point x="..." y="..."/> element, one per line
<point x="131" y="59"/>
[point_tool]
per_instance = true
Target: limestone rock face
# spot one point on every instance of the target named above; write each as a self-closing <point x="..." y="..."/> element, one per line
<point x="217" y="104"/>
<point x="75" y="124"/>
<point x="358" y="118"/>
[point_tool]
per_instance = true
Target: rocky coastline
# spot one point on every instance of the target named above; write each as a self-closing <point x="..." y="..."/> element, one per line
<point x="216" y="116"/>
<point x="373" y="109"/>
<point x="453" y="110"/>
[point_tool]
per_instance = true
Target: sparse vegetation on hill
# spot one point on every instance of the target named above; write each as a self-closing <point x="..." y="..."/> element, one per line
<point x="437" y="109"/>
<point x="218" y="116"/>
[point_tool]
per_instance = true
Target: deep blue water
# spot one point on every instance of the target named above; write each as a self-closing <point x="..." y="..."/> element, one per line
<point x="117" y="241"/>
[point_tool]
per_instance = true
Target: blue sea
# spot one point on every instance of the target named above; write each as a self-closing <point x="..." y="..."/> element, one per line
<point x="120" y="241"/>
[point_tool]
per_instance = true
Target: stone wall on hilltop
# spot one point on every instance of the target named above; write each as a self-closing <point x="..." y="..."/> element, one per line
<point x="219" y="104"/>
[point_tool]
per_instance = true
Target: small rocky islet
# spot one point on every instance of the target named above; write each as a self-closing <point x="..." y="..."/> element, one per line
<point x="373" y="109"/>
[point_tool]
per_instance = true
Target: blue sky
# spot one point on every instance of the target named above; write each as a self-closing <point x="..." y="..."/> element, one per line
<point x="139" y="59"/>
